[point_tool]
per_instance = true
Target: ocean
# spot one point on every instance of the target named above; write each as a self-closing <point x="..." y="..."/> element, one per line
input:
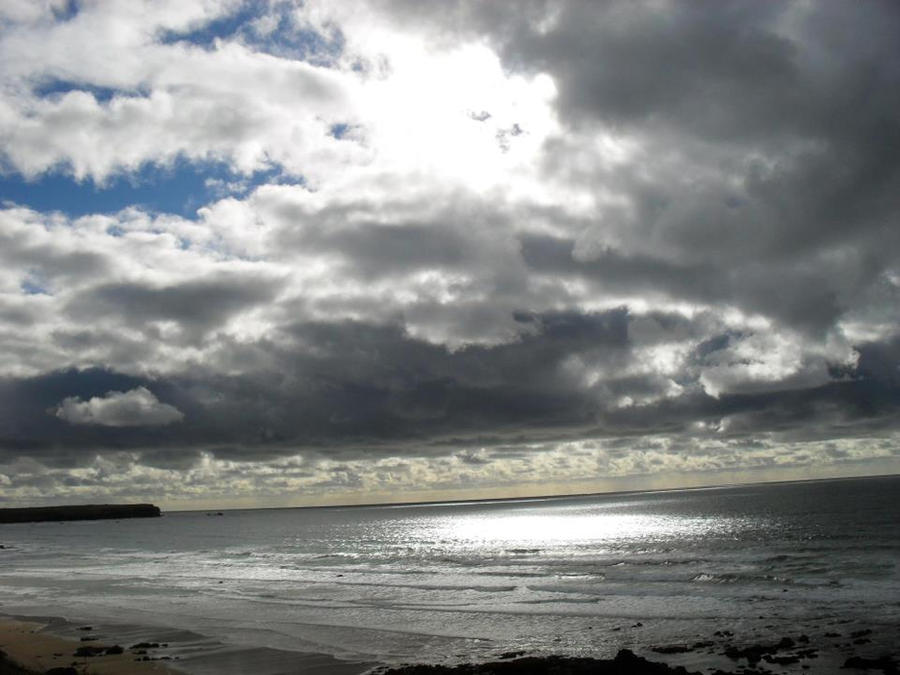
<point x="455" y="582"/>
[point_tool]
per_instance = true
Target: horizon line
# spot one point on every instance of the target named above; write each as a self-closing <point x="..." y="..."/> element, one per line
<point x="545" y="497"/>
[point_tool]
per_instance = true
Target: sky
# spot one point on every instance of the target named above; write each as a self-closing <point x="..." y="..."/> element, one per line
<point x="276" y="253"/>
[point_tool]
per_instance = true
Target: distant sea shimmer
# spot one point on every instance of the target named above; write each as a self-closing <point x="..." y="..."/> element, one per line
<point x="468" y="581"/>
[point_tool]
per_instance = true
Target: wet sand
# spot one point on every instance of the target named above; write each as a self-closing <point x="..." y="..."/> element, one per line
<point x="25" y="643"/>
<point x="39" y="645"/>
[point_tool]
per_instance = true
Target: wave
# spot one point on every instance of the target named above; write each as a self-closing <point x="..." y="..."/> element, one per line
<point x="578" y="590"/>
<point x="667" y="562"/>
<point x="731" y="578"/>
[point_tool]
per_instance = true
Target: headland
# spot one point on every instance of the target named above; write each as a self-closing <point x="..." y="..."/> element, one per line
<point x="82" y="512"/>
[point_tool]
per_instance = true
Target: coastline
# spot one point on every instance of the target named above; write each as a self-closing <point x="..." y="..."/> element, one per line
<point x="46" y="645"/>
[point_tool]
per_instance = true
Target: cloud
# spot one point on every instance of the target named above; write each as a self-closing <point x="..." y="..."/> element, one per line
<point x="135" y="408"/>
<point x="437" y="241"/>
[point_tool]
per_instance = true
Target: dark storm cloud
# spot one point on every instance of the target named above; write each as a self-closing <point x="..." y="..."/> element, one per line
<point x="767" y="173"/>
<point x="728" y="71"/>
<point x="806" y="295"/>
<point x="716" y="84"/>
<point x="360" y="385"/>
<point x="196" y="306"/>
<point x="455" y="232"/>
<point x="368" y="391"/>
<point x="393" y="248"/>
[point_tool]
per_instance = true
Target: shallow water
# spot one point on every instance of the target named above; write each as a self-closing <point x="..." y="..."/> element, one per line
<point x="466" y="581"/>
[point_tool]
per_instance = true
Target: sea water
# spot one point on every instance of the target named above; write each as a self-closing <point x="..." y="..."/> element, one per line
<point x="461" y="581"/>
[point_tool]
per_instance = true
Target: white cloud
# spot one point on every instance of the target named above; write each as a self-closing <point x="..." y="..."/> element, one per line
<point x="135" y="408"/>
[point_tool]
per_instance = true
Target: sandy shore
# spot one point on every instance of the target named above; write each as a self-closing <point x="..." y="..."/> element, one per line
<point x="25" y="643"/>
<point x="39" y="645"/>
<point x="834" y="646"/>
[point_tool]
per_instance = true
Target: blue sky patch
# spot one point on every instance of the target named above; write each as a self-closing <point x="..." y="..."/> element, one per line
<point x="33" y="286"/>
<point x="179" y="189"/>
<point x="225" y="27"/>
<point x="53" y="88"/>
<point x="66" y="11"/>
<point x="339" y="130"/>
<point x="286" y="39"/>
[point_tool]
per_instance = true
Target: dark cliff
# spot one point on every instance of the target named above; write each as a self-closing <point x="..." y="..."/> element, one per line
<point x="86" y="512"/>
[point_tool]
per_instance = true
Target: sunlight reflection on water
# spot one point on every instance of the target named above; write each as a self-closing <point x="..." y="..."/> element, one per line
<point x="550" y="529"/>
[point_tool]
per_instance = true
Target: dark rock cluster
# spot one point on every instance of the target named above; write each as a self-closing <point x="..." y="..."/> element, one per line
<point x="625" y="663"/>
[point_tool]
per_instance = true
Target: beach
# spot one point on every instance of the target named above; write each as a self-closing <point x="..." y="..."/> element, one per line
<point x="832" y="648"/>
<point x="39" y="645"/>
<point x="26" y="643"/>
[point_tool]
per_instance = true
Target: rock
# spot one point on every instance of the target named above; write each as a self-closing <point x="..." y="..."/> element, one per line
<point x="861" y="633"/>
<point x="91" y="650"/>
<point x="754" y="653"/>
<point x="885" y="663"/>
<point x="511" y="655"/>
<point x="145" y="645"/>
<point x="671" y="649"/>
<point x="625" y="663"/>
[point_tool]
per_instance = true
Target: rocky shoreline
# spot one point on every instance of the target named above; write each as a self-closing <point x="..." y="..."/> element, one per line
<point x="627" y="662"/>
<point x="82" y="512"/>
<point x="799" y="653"/>
<point x="624" y="663"/>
